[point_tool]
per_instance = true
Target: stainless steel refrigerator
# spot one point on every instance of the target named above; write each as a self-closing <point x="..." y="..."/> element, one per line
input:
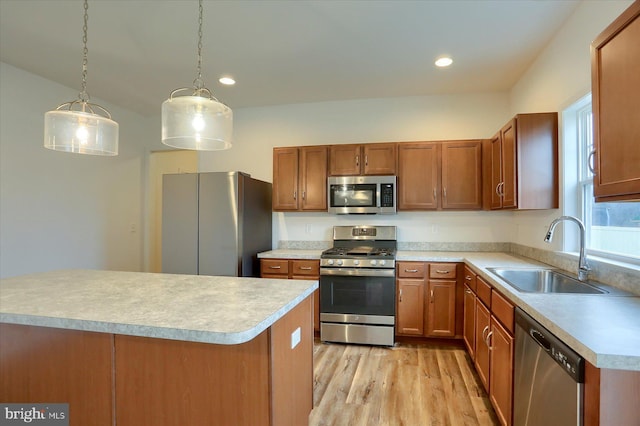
<point x="214" y="223"/>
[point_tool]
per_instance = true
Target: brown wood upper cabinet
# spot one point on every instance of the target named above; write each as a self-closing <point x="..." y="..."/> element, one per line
<point x="440" y="175"/>
<point x="367" y="159"/>
<point x="300" y="178"/>
<point x="521" y="171"/>
<point x="615" y="84"/>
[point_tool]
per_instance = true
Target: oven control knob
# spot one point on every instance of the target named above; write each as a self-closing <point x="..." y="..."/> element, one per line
<point x="329" y="261"/>
<point x="356" y="262"/>
<point x="382" y="262"/>
<point x="374" y="262"/>
<point x="339" y="262"/>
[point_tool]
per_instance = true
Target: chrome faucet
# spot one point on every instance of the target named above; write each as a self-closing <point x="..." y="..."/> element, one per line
<point x="583" y="265"/>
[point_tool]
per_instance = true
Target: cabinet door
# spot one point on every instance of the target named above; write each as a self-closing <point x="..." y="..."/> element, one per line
<point x="379" y="159"/>
<point x="469" y="329"/>
<point x="501" y="372"/>
<point x="462" y="175"/>
<point x="410" y="312"/>
<point x="495" y="172"/>
<point x="441" y="318"/>
<point x="285" y="179"/>
<point x="483" y="324"/>
<point x="344" y="160"/>
<point x="509" y="169"/>
<point x="313" y="178"/>
<point x="615" y="74"/>
<point x="418" y="176"/>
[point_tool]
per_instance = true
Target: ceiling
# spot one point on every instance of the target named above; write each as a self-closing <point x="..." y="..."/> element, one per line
<point x="279" y="52"/>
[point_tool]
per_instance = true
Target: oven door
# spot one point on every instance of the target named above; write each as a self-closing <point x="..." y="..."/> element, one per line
<point x="358" y="296"/>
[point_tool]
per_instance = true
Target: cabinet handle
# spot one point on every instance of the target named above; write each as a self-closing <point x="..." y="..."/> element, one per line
<point x="357" y="161"/>
<point x="498" y="190"/>
<point x="400" y="295"/>
<point x="484" y="331"/>
<point x="444" y="192"/>
<point x="590" y="162"/>
<point x="411" y="271"/>
<point x="366" y="160"/>
<point x="275" y="267"/>
<point x="435" y="194"/>
<point x="305" y="268"/>
<point x="468" y="291"/>
<point x="295" y="195"/>
<point x="467" y="278"/>
<point x="502" y="189"/>
<point x="489" y="340"/>
<point x="431" y="295"/>
<point x="440" y="271"/>
<point x="304" y="195"/>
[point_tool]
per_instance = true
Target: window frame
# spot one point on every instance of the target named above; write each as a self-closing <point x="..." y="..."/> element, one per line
<point x="580" y="185"/>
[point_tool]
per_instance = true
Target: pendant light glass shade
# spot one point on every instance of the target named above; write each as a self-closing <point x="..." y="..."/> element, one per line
<point x="195" y="119"/>
<point x="196" y="122"/>
<point x="80" y="132"/>
<point x="87" y="129"/>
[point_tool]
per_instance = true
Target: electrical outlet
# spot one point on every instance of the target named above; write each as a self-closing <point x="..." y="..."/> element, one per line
<point x="307" y="229"/>
<point x="295" y="338"/>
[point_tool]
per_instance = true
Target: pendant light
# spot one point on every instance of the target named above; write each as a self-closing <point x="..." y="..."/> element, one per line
<point x="192" y="118"/>
<point x="79" y="126"/>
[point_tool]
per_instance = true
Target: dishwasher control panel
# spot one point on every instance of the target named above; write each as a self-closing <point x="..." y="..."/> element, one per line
<point x="571" y="362"/>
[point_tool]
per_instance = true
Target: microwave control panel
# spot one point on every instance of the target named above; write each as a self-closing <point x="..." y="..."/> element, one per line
<point x="386" y="195"/>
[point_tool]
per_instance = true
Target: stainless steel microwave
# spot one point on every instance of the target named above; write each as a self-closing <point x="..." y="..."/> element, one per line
<point x="361" y="194"/>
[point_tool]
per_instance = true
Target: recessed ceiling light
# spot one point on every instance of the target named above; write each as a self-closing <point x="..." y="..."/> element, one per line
<point x="228" y="81"/>
<point x="444" y="61"/>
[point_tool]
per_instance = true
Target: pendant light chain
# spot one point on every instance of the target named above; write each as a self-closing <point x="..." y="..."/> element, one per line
<point x="79" y="126"/>
<point x="84" y="96"/>
<point x="198" y="83"/>
<point x="192" y="118"/>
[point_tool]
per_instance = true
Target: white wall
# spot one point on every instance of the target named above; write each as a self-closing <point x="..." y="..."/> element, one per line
<point x="258" y="130"/>
<point x="60" y="210"/>
<point x="560" y="76"/>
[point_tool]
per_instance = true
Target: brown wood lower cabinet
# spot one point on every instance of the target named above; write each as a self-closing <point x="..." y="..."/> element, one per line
<point x="426" y="299"/>
<point x="483" y="325"/>
<point x="112" y="379"/>
<point x="295" y="269"/>
<point x="410" y="307"/>
<point x="488" y="334"/>
<point x="39" y="364"/>
<point x="501" y="371"/>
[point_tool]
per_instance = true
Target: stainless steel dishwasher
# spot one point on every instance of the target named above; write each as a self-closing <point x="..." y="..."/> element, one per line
<point x="548" y="377"/>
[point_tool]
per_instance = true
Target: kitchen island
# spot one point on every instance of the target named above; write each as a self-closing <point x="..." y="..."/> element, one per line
<point x="130" y="348"/>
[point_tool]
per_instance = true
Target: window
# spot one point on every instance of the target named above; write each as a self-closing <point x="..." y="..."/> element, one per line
<point x="613" y="229"/>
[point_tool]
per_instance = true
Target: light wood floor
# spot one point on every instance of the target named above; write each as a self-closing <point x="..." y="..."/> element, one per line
<point x="410" y="385"/>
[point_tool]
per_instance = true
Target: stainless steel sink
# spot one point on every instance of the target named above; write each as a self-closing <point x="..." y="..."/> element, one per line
<point x="545" y="281"/>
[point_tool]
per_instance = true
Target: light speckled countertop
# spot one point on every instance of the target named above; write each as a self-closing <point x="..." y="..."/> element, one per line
<point x="604" y="329"/>
<point x="220" y="310"/>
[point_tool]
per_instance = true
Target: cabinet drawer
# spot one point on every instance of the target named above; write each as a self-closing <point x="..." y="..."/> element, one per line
<point x="502" y="309"/>
<point x="306" y="268"/>
<point x="274" y="267"/>
<point x="483" y="290"/>
<point x="442" y="270"/>
<point x="411" y="270"/>
<point x="470" y="278"/>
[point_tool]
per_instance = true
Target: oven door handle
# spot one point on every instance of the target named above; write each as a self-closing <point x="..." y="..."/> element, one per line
<point x="357" y="272"/>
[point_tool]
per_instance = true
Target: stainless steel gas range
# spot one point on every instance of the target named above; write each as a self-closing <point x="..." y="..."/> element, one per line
<point x="358" y="286"/>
